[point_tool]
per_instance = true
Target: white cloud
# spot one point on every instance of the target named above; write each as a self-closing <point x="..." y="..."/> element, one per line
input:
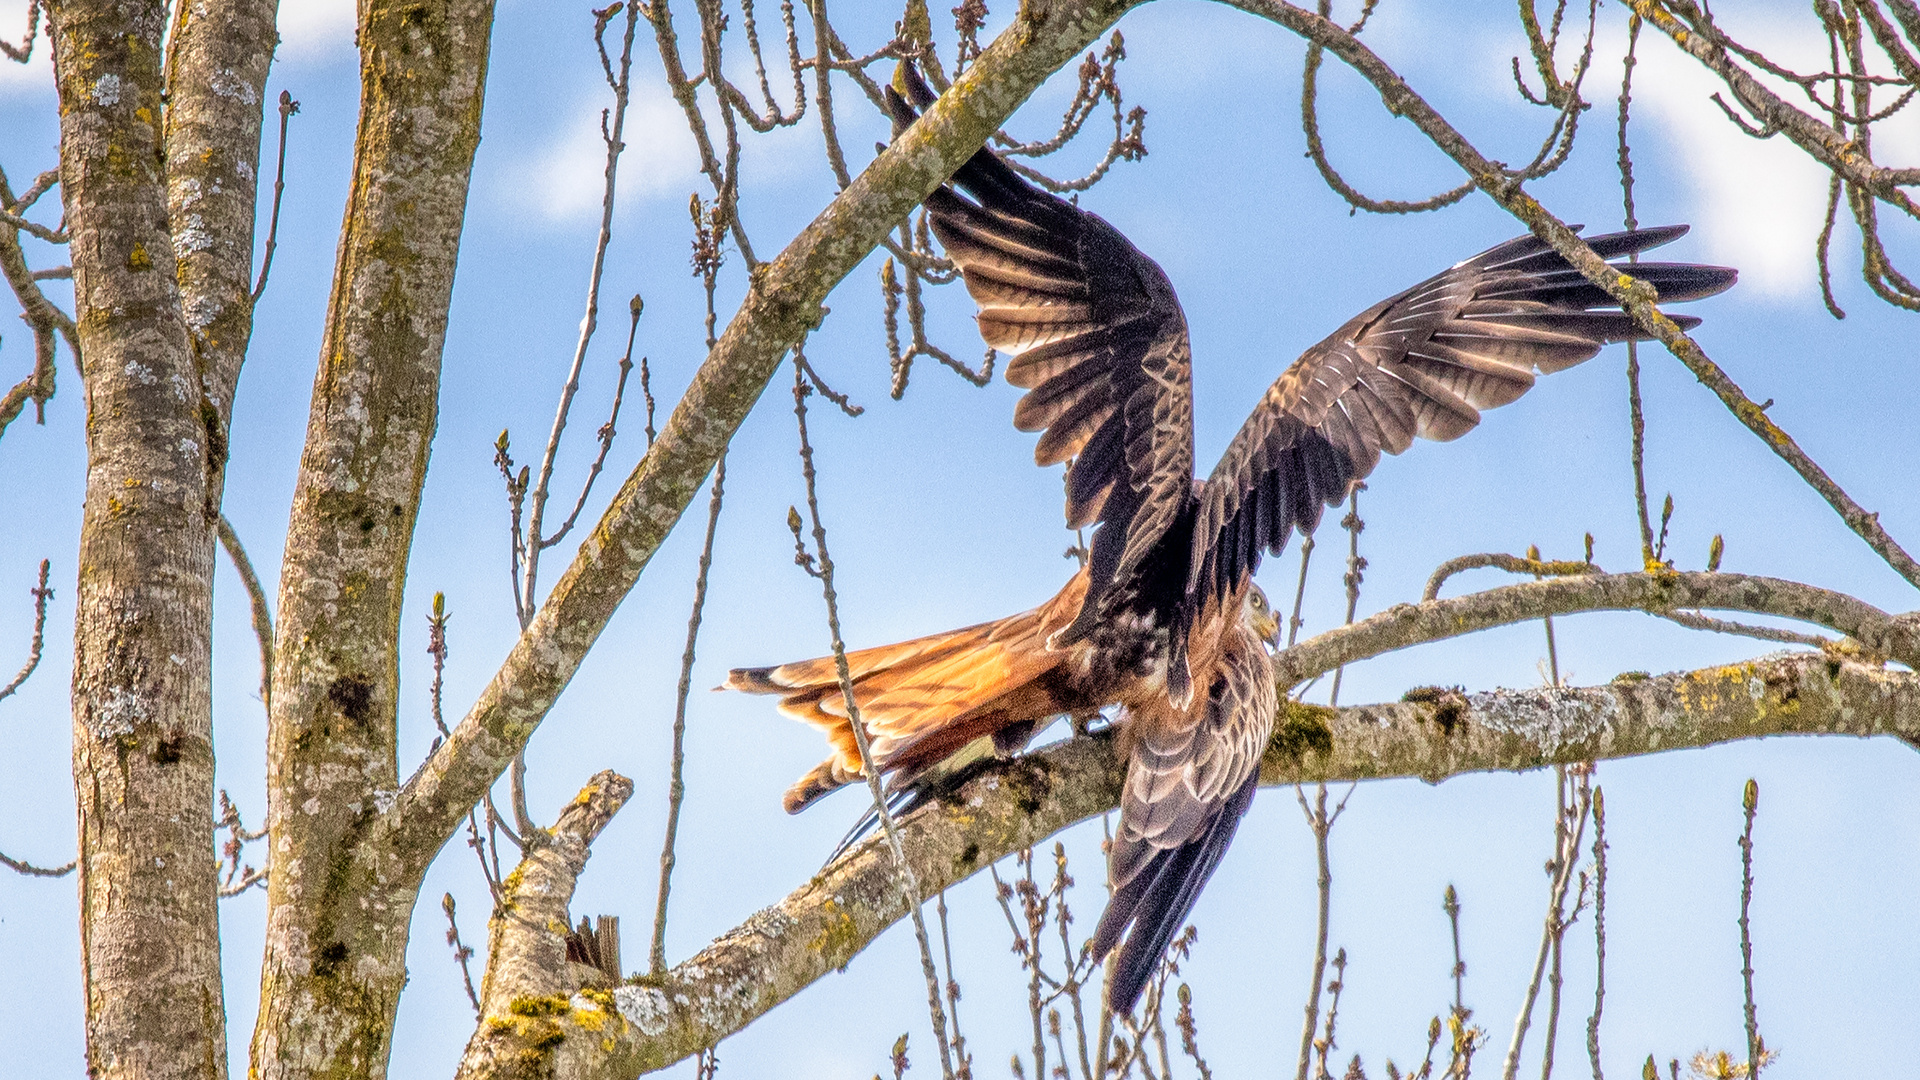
<point x="314" y="28"/>
<point x="563" y="179"/>
<point x="1757" y="204"/>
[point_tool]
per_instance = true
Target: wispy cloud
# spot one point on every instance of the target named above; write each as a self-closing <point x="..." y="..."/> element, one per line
<point x="560" y="173"/>
<point x="310" y="29"/>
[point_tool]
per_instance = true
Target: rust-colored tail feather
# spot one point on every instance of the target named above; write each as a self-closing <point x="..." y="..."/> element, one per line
<point x="924" y="699"/>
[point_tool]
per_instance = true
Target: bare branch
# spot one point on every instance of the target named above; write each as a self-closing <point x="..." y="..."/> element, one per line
<point x="525" y="994"/>
<point x="1635" y="296"/>
<point x="257" y="597"/>
<point x="1402" y="625"/>
<point x="1512" y="564"/>
<point x="41" y="593"/>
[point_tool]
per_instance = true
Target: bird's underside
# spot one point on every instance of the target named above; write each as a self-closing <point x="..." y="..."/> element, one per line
<point x="1164" y="622"/>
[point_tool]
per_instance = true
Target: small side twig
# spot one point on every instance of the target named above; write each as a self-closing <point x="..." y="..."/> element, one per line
<point x="1356" y="571"/>
<point x="262" y="614"/>
<point x="1512" y="564"/>
<point x="462" y="952"/>
<point x="288" y="109"/>
<point x="437" y="648"/>
<point x="21" y="867"/>
<point x="41" y="594"/>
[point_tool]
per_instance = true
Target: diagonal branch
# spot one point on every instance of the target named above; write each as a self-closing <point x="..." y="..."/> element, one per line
<point x="822" y="925"/>
<point x="783" y="301"/>
<point x="1634" y="296"/>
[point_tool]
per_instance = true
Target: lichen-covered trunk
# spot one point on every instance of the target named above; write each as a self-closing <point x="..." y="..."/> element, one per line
<point x="339" y="905"/>
<point x="156" y="447"/>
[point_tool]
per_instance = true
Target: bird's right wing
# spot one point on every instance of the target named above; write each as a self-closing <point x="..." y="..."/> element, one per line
<point x="1422" y="363"/>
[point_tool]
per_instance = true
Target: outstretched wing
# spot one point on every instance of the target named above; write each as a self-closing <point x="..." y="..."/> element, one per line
<point x="1422" y="363"/>
<point x="1190" y="777"/>
<point x="1098" y="340"/>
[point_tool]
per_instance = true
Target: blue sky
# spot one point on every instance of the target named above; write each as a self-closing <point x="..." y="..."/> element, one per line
<point x="938" y="518"/>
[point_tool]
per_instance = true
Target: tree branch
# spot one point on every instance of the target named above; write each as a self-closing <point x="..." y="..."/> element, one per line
<point x="821" y="926"/>
<point x="528" y="983"/>
<point x="1636" y="297"/>
<point x="783" y="301"/>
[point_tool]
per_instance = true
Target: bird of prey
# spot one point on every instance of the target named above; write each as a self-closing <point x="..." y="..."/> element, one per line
<point x="1165" y="621"/>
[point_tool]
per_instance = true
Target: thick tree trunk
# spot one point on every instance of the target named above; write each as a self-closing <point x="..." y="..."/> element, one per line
<point x="156" y="439"/>
<point x="156" y="443"/>
<point x="339" y="907"/>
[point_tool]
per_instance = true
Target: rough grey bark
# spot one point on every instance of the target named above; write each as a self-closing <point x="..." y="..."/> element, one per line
<point x="651" y="1023"/>
<point x="339" y="906"/>
<point x="156" y="446"/>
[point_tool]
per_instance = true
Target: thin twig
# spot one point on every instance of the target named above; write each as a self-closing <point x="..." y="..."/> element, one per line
<point x="607" y="430"/>
<point x="1599" y="928"/>
<point x="288" y="108"/>
<point x="1294" y="622"/>
<point x="676" y="782"/>
<point x="588" y="323"/>
<point x="41" y="593"/>
<point x="909" y="888"/>
<point x="1756" y="1047"/>
<point x="23" y="52"/>
<point x="257" y="598"/>
<point x="437" y="648"/>
<point x="30" y="870"/>
<point x="1356" y="570"/>
<point x="1321" y="822"/>
<point x="1572" y="798"/>
<point x="1512" y="564"/>
<point x="462" y="953"/>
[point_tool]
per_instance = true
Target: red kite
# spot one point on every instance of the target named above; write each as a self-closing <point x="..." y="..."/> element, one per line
<point x="1165" y="621"/>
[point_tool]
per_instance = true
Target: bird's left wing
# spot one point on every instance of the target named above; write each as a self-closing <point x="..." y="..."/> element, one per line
<point x="1190" y="778"/>
<point x="1098" y="340"/>
<point x="1422" y="363"/>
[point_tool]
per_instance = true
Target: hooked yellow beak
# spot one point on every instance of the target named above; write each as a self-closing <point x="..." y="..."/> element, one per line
<point x="1267" y="626"/>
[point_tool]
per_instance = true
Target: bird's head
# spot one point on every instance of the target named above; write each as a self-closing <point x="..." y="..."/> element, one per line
<point x="1260" y="618"/>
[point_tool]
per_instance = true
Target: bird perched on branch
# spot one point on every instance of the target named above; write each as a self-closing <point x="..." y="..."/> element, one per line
<point x="1165" y="621"/>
